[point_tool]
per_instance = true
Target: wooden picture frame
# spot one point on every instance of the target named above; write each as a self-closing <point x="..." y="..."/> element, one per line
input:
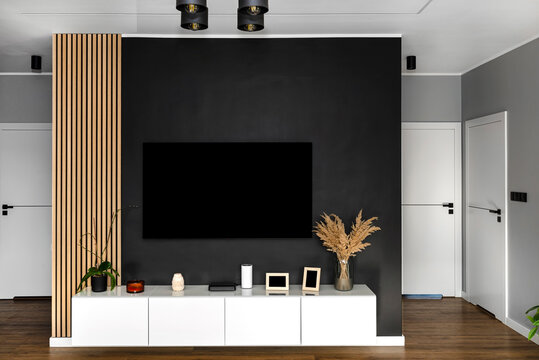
<point x="311" y="279"/>
<point x="277" y="281"/>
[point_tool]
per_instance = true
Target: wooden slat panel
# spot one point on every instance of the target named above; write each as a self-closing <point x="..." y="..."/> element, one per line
<point x="86" y="161"/>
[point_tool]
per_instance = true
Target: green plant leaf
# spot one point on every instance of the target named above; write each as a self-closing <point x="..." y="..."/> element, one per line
<point x="105" y="265"/>
<point x="532" y="308"/>
<point x="112" y="280"/>
<point x="536" y="323"/>
<point x="532" y="332"/>
<point x="89" y="274"/>
<point x="530" y="318"/>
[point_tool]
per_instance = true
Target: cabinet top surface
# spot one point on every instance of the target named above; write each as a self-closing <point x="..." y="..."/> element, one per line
<point x="166" y="291"/>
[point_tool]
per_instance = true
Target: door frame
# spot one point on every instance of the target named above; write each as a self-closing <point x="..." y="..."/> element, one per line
<point x="457" y="127"/>
<point x="483" y="120"/>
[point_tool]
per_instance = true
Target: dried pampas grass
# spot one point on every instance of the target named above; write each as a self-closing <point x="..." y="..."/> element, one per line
<point x="332" y="232"/>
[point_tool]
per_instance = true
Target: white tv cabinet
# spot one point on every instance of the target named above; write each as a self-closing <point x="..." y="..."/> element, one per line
<point x="198" y="317"/>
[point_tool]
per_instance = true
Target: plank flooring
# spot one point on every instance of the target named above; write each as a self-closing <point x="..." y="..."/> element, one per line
<point x="434" y="329"/>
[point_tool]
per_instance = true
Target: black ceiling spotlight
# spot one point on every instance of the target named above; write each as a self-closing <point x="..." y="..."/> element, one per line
<point x="410" y="62"/>
<point x="191" y="6"/>
<point x="35" y="64"/>
<point x="253" y="7"/>
<point x="195" y="21"/>
<point x="250" y="23"/>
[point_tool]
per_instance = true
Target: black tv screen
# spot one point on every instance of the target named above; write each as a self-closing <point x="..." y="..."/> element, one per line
<point x="227" y="190"/>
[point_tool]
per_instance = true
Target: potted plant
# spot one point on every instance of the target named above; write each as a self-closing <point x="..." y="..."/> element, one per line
<point x="332" y="232"/>
<point x="102" y="269"/>
<point x="534" y="320"/>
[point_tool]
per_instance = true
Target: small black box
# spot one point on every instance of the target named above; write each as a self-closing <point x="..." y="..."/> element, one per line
<point x="222" y="286"/>
<point x="519" y="196"/>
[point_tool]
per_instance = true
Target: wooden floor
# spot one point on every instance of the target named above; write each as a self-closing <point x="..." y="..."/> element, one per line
<point x="434" y="329"/>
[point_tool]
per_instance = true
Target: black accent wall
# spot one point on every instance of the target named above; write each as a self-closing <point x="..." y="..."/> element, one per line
<point x="342" y="94"/>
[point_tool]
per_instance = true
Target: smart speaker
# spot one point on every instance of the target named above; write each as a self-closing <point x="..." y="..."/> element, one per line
<point x="246" y="276"/>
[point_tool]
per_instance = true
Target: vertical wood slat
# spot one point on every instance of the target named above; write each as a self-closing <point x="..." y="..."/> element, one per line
<point x="63" y="255"/>
<point x="86" y="161"/>
<point x="118" y="139"/>
<point x="54" y="191"/>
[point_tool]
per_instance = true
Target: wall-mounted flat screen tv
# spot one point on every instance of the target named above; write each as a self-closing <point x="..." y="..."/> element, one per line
<point x="227" y="190"/>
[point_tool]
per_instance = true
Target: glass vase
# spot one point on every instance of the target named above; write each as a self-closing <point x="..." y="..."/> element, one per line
<point x="344" y="275"/>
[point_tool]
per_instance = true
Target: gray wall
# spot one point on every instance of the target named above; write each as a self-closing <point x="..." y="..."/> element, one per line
<point x="431" y="98"/>
<point x="25" y="98"/>
<point x="511" y="82"/>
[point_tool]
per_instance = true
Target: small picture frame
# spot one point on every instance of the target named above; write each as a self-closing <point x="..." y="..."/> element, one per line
<point x="277" y="281"/>
<point x="311" y="279"/>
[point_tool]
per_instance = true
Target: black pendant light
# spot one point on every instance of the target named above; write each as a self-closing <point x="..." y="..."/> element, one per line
<point x="196" y="21"/>
<point x="191" y="6"/>
<point x="251" y="14"/>
<point x="253" y="7"/>
<point x="250" y="23"/>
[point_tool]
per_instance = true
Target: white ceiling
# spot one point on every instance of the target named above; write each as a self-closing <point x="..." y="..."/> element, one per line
<point x="447" y="36"/>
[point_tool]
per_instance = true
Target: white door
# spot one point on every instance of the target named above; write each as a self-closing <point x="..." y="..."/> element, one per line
<point x="486" y="212"/>
<point x="431" y="210"/>
<point x="25" y="223"/>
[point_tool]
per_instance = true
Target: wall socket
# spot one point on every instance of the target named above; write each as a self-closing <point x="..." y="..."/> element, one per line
<point x="519" y="196"/>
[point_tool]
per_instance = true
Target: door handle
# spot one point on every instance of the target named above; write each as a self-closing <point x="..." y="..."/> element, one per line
<point x="492" y="211"/>
<point x="450" y="206"/>
<point x="6" y="207"/>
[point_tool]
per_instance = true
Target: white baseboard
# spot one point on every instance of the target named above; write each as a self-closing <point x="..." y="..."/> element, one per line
<point x="522" y="330"/>
<point x="390" y="340"/>
<point x="380" y="341"/>
<point x="59" y="342"/>
<point x="464" y="295"/>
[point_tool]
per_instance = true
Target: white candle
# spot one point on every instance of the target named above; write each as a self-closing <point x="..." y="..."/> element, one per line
<point x="246" y="276"/>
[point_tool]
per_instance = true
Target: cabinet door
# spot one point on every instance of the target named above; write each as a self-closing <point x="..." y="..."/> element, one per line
<point x="187" y="321"/>
<point x="338" y="320"/>
<point x="270" y="320"/>
<point x="101" y="321"/>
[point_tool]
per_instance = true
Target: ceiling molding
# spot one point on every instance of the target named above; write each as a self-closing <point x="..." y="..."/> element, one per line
<point x="501" y="53"/>
<point x="431" y="74"/>
<point x="233" y="13"/>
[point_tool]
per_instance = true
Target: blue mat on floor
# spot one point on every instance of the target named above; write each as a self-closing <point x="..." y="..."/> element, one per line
<point x="424" y="296"/>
